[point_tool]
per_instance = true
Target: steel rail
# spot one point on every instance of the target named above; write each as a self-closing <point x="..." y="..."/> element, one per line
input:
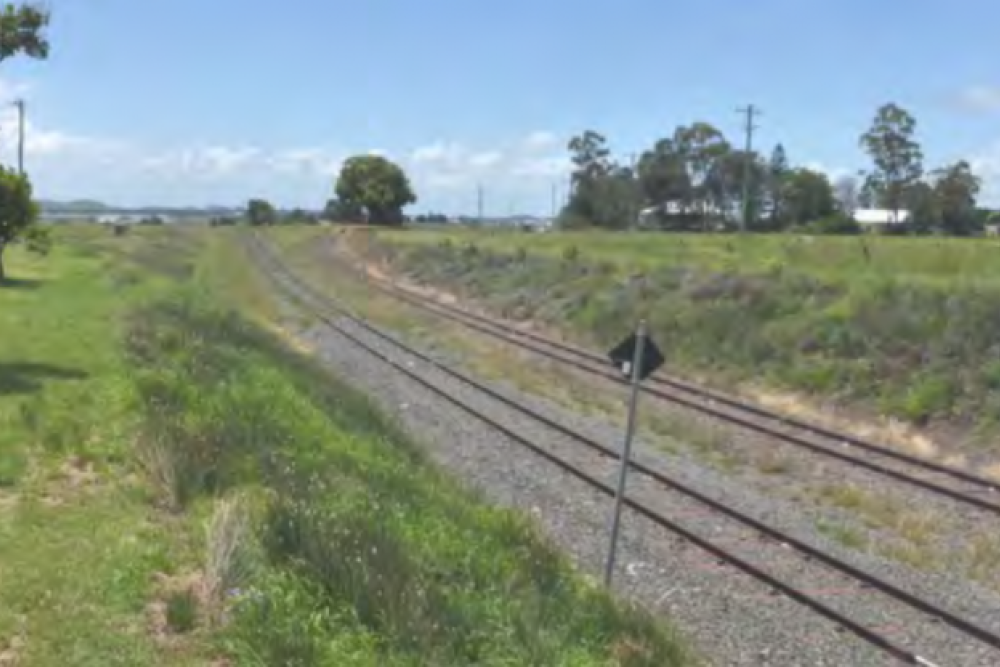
<point x="509" y="334"/>
<point x="866" y="580"/>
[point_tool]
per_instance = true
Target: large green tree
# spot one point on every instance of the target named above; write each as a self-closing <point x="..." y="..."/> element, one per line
<point x="925" y="211"/>
<point x="603" y="194"/>
<point x="956" y="189"/>
<point x="724" y="184"/>
<point x="18" y="216"/>
<point x="703" y="147"/>
<point x="22" y="31"/>
<point x="261" y="212"/>
<point x="777" y="171"/>
<point x="377" y="186"/>
<point x="896" y="154"/>
<point x="808" y="196"/>
<point x="663" y="175"/>
<point x="337" y="210"/>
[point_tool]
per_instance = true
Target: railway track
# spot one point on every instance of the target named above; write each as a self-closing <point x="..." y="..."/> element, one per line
<point x="924" y="619"/>
<point x="960" y="486"/>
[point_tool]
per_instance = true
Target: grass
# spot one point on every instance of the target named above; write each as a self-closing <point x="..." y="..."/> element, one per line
<point x="846" y="535"/>
<point x="908" y="335"/>
<point x="79" y="542"/>
<point x="841" y="259"/>
<point x="184" y="486"/>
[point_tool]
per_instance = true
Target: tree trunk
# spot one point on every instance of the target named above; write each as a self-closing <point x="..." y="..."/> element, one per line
<point x="3" y="274"/>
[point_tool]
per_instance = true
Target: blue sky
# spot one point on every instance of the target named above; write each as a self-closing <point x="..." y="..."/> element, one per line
<point x="215" y="101"/>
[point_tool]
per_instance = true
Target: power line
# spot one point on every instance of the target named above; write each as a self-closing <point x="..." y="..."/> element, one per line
<point x="750" y="111"/>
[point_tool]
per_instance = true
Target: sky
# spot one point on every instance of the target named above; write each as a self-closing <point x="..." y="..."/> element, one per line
<point x="196" y="102"/>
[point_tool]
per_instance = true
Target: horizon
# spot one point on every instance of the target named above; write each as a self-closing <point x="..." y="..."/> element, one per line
<point x="457" y="105"/>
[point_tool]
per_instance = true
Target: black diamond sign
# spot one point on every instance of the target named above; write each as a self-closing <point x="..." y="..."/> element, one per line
<point x="624" y="355"/>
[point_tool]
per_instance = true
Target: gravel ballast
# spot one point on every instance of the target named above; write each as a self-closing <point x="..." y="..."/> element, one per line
<point x="732" y="619"/>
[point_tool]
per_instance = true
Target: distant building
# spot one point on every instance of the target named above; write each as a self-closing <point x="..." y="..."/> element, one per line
<point x="879" y="218"/>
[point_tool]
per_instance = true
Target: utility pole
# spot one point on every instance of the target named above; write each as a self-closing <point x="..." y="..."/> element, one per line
<point x="555" y="197"/>
<point x="20" y="135"/>
<point x="750" y="111"/>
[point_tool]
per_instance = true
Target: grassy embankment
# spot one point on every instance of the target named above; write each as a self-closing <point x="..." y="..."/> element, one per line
<point x="905" y="328"/>
<point x="869" y="520"/>
<point x="178" y="485"/>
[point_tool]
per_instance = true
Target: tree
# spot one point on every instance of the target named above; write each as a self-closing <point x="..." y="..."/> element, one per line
<point x="724" y="184"/>
<point x="589" y="154"/>
<point x="603" y="193"/>
<point x="18" y="216"/>
<point x="777" y="171"/>
<point x="702" y="146"/>
<point x="897" y="156"/>
<point x="337" y="210"/>
<point x="373" y="184"/>
<point x="808" y="196"/>
<point x="21" y="32"/>
<point x="847" y="195"/>
<point x="261" y="212"/>
<point x="955" y="191"/>
<point x="925" y="213"/>
<point x="663" y="176"/>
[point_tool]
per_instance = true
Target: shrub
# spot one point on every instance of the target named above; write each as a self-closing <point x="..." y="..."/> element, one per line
<point x="835" y="224"/>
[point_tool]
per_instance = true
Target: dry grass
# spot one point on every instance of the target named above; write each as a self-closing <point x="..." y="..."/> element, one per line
<point x="770" y="461"/>
<point x="229" y="539"/>
<point x="983" y="559"/>
<point x="992" y="471"/>
<point x="916" y="527"/>
<point x="887" y="431"/>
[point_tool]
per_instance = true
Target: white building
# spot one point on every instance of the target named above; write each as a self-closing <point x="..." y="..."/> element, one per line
<point x="880" y="218"/>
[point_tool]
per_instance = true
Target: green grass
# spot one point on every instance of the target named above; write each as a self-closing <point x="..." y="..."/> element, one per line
<point x="369" y="556"/>
<point x="79" y="543"/>
<point x="939" y="261"/>
<point x="909" y="335"/>
<point x="182" y="485"/>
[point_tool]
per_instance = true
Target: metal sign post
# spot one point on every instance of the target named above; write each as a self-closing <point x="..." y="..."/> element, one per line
<point x="645" y="358"/>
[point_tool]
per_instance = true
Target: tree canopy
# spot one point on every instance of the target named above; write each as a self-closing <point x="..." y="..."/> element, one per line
<point x="261" y="212"/>
<point x="21" y="33"/>
<point x="693" y="179"/>
<point x="897" y="156"/>
<point x="18" y="215"/>
<point x="375" y="186"/>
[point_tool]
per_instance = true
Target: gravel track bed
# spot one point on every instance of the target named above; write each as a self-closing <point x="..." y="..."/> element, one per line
<point x="805" y="472"/>
<point x="732" y="618"/>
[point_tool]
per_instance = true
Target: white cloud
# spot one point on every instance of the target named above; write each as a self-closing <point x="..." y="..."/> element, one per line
<point x="540" y="141"/>
<point x="986" y="165"/>
<point x="65" y="164"/>
<point x="486" y="159"/>
<point x="979" y="98"/>
<point x="11" y="90"/>
<point x="834" y="173"/>
<point x="545" y="167"/>
<point x="520" y="174"/>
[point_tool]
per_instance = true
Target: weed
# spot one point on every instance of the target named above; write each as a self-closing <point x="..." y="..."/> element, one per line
<point x="366" y="553"/>
<point x="770" y="462"/>
<point x="908" y="333"/>
<point x="230" y="553"/>
<point x="181" y="611"/>
<point x="983" y="558"/>
<point x="850" y="537"/>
